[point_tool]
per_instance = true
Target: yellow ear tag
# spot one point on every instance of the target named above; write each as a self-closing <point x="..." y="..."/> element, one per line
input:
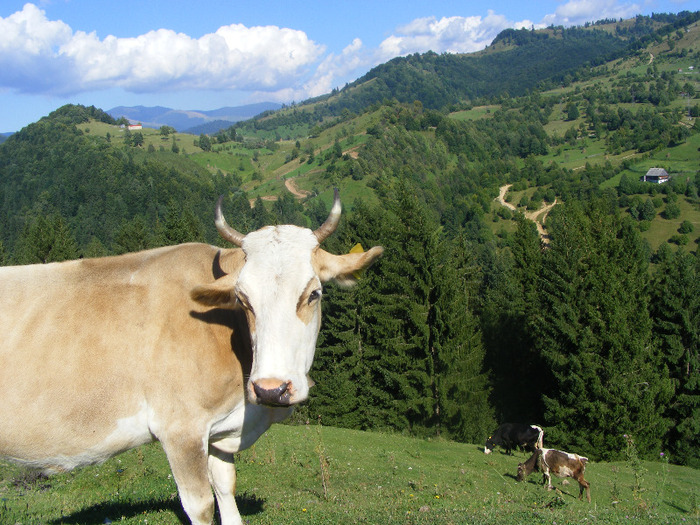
<point x="357" y="249"/>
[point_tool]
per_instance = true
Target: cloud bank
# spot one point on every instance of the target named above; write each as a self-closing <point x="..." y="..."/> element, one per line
<point x="41" y="56"/>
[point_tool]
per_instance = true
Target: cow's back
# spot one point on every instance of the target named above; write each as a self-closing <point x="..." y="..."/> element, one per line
<point x="93" y="349"/>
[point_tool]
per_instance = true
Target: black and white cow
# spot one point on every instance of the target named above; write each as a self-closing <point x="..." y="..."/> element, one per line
<point x="513" y="435"/>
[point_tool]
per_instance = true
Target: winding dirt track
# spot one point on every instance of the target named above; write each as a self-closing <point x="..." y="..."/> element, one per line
<point x="537" y="216"/>
<point x="291" y="185"/>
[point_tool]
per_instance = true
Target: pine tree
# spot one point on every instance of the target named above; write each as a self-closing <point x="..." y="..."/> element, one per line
<point x="180" y="226"/>
<point x="343" y="392"/>
<point x="348" y="390"/>
<point x="133" y="236"/>
<point x="46" y="239"/>
<point x="594" y="333"/>
<point x="462" y="394"/>
<point x="260" y="216"/>
<point x="510" y="301"/>
<point x="430" y="363"/>
<point x="675" y="310"/>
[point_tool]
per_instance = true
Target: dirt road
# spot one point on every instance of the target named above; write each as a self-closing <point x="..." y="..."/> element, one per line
<point x="537" y="216"/>
<point x="291" y="185"/>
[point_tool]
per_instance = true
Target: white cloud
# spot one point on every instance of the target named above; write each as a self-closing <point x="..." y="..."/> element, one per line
<point x="333" y="67"/>
<point x="332" y="71"/>
<point x="42" y="56"/>
<point x="454" y="34"/>
<point x="38" y="55"/>
<point x="578" y="12"/>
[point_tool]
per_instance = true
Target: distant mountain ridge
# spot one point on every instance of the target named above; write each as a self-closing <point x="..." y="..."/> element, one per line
<point x="183" y="120"/>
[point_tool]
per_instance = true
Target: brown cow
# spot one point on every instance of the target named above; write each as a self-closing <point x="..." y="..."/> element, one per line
<point x="561" y="464"/>
<point x="199" y="347"/>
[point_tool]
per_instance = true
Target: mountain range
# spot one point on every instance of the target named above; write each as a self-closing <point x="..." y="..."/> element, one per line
<point x="186" y="120"/>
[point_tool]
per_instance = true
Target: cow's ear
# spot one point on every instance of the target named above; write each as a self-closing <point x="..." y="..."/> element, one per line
<point x="231" y="261"/>
<point x="343" y="268"/>
<point x="218" y="294"/>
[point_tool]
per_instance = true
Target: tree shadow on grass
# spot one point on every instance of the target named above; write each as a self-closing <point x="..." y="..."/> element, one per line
<point x="248" y="504"/>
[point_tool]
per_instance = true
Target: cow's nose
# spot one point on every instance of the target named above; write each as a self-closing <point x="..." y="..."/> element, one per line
<point x="273" y="392"/>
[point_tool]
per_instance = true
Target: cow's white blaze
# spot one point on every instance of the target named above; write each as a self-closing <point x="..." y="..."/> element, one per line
<point x="275" y="287"/>
<point x="129" y="432"/>
<point x="564" y="472"/>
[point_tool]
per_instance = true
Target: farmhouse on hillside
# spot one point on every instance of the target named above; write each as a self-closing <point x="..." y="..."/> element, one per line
<point x="655" y="175"/>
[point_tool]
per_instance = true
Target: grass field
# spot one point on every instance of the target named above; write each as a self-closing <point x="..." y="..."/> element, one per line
<point x="314" y="475"/>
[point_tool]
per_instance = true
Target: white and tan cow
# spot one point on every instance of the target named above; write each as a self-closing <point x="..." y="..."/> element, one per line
<point x="199" y="347"/>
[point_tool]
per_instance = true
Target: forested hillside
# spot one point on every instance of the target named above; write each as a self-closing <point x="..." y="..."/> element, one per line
<point x="517" y="61"/>
<point x="590" y="327"/>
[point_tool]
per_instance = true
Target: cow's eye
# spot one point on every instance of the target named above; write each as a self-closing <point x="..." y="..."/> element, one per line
<point x="314" y="296"/>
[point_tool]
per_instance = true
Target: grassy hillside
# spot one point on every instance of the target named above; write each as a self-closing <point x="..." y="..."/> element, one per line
<point x="313" y="474"/>
<point x="270" y="155"/>
<point x="294" y="143"/>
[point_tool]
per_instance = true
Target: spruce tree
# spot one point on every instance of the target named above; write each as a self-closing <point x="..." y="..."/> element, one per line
<point x="46" y="239"/>
<point x="133" y="236"/>
<point x="675" y="310"/>
<point x="180" y="226"/>
<point x="430" y="359"/>
<point x="594" y="333"/>
<point x="510" y="298"/>
<point x="349" y="391"/>
<point x="462" y="386"/>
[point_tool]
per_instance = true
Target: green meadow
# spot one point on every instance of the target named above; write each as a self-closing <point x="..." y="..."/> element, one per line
<point x="311" y="474"/>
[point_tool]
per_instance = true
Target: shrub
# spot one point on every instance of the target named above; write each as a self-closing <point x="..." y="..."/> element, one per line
<point x="686" y="227"/>
<point x="672" y="211"/>
<point x="680" y="240"/>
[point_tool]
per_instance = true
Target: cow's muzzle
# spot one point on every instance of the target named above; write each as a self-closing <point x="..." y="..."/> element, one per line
<point x="273" y="392"/>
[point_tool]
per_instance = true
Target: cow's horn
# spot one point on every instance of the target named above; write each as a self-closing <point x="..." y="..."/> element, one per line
<point x="331" y="223"/>
<point x="226" y="232"/>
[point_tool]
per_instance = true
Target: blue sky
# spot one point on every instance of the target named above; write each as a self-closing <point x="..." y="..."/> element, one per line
<point x="183" y="55"/>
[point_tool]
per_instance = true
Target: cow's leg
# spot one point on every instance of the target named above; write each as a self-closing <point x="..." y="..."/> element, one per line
<point x="222" y="475"/>
<point x="547" y="478"/>
<point x="188" y="462"/>
<point x="583" y="484"/>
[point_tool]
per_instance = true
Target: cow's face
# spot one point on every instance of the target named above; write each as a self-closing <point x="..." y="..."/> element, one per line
<point x="281" y="293"/>
<point x="521" y="472"/>
<point x="279" y="286"/>
<point x="488" y="448"/>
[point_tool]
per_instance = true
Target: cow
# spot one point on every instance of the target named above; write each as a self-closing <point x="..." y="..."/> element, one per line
<point x="199" y="347"/>
<point x="513" y="435"/>
<point x="561" y="464"/>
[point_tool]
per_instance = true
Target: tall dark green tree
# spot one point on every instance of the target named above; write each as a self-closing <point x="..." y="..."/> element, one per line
<point x="288" y="210"/>
<point x="134" y="235"/>
<point x="572" y="112"/>
<point x="510" y="300"/>
<point x="675" y="310"/>
<point x="432" y="360"/>
<point x="260" y="216"/>
<point x="46" y="239"/>
<point x="349" y="392"/>
<point x="462" y="386"/>
<point x="594" y="333"/>
<point x="180" y="226"/>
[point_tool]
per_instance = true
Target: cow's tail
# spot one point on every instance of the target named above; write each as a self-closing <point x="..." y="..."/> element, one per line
<point x="540" y="437"/>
